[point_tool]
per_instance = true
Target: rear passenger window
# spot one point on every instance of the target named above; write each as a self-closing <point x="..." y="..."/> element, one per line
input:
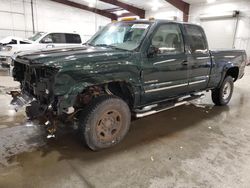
<point x="73" y="38"/>
<point x="168" y="39"/>
<point x="196" y="38"/>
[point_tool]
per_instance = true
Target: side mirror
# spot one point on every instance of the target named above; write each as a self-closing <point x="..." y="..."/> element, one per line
<point x="152" y="51"/>
<point x="47" y="40"/>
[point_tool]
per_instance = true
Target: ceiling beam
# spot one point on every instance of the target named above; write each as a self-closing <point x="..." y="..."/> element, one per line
<point x="84" y="7"/>
<point x="181" y="5"/>
<point x="135" y="10"/>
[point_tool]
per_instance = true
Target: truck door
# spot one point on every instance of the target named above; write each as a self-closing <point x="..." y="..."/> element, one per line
<point x="199" y="61"/>
<point x="165" y="68"/>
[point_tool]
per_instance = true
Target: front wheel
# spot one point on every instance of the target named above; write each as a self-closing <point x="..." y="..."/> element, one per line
<point x="104" y="122"/>
<point x="222" y="95"/>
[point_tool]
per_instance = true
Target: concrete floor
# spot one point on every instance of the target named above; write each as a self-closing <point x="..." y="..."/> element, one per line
<point x="196" y="145"/>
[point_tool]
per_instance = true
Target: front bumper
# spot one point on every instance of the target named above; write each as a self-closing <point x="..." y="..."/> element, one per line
<point x="5" y="61"/>
<point x="19" y="100"/>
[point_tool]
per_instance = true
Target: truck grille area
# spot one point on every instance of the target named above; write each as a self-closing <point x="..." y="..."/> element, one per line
<point x="36" y="81"/>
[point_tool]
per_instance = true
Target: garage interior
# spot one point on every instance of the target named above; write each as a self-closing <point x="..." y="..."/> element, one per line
<point x="194" y="145"/>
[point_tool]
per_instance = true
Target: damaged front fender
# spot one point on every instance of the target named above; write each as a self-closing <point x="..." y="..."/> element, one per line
<point x="68" y="100"/>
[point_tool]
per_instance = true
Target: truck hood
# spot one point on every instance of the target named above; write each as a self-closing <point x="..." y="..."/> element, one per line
<point x="70" y="56"/>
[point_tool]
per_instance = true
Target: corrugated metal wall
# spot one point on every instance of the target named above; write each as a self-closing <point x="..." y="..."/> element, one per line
<point x="243" y="29"/>
<point x="16" y="18"/>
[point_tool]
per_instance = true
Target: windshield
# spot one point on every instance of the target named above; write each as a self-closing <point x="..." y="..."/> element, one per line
<point x="36" y="36"/>
<point x="122" y="35"/>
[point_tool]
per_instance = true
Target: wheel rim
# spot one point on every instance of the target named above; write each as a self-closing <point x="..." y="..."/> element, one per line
<point x="109" y="126"/>
<point x="226" y="92"/>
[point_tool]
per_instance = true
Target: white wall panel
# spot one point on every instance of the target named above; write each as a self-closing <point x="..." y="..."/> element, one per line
<point x="48" y="16"/>
<point x="17" y="6"/>
<point x="6" y="21"/>
<point x="19" y="33"/>
<point x="243" y="30"/>
<point x="18" y="22"/>
<point x="5" y="5"/>
<point x="53" y="16"/>
<point x="169" y="13"/>
<point x="220" y="33"/>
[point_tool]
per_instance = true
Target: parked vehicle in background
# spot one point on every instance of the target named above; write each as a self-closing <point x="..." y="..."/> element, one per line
<point x="12" y="40"/>
<point x="129" y="68"/>
<point x="5" y="47"/>
<point x="40" y="40"/>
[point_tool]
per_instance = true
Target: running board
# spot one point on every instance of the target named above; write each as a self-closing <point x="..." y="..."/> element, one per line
<point x="166" y="107"/>
<point x="140" y="115"/>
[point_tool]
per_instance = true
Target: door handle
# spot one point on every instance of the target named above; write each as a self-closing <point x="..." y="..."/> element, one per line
<point x="50" y="46"/>
<point x="185" y="62"/>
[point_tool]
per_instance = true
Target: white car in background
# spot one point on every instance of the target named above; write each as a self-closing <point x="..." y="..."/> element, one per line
<point x="41" y="40"/>
<point x="11" y="40"/>
<point x="6" y="45"/>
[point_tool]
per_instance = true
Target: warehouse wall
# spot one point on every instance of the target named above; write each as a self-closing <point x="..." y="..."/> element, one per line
<point x="16" y="19"/>
<point x="170" y="13"/>
<point x="13" y="16"/>
<point x="242" y="31"/>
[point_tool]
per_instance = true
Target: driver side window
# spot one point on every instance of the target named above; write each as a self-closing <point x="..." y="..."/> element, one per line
<point x="57" y="38"/>
<point x="168" y="39"/>
<point x="47" y="39"/>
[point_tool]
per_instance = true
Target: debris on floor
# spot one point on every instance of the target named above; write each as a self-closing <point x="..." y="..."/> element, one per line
<point x="152" y="158"/>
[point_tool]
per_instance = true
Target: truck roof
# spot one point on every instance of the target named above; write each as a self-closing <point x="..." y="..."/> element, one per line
<point x="150" y="21"/>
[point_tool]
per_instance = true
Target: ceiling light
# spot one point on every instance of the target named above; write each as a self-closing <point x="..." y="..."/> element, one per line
<point x="211" y="1"/>
<point x="155" y="4"/>
<point x="120" y="12"/>
<point x="154" y="8"/>
<point x="91" y="5"/>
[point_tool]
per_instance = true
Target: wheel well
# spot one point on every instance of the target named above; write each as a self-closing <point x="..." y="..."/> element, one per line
<point x="119" y="89"/>
<point x="122" y="90"/>
<point x="234" y="72"/>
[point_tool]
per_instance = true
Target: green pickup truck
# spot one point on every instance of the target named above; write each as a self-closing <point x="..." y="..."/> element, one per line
<point x="128" y="69"/>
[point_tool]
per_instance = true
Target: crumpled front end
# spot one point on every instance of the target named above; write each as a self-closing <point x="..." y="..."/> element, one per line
<point x="36" y="93"/>
<point x="37" y="82"/>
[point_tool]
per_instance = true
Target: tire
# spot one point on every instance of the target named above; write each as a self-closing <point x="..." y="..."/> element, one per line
<point x="104" y="122"/>
<point x="222" y="95"/>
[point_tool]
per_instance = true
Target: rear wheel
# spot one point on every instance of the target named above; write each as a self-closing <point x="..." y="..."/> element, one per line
<point x="105" y="122"/>
<point x="221" y="96"/>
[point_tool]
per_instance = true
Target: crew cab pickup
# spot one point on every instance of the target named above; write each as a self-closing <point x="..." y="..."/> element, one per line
<point x="129" y="68"/>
